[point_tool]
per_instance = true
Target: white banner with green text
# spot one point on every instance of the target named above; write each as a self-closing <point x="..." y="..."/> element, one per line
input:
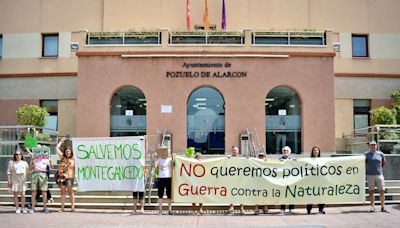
<point x="335" y="180"/>
<point x="109" y="164"/>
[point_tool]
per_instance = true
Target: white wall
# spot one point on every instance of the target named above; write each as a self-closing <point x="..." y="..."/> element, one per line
<point x="365" y="88"/>
<point x="22" y="45"/>
<point x="381" y="46"/>
<point x="29" y="45"/>
<point x="38" y="88"/>
<point x="384" y="46"/>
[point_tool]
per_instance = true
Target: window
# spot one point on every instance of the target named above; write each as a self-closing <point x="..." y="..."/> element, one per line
<point x="361" y="113"/>
<point x="52" y="120"/>
<point x="360" y="45"/>
<point x="50" y="45"/>
<point x="1" y="46"/>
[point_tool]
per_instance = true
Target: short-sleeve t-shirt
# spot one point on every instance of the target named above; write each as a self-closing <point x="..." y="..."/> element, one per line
<point x="374" y="161"/>
<point x="41" y="164"/>
<point x="164" y="167"/>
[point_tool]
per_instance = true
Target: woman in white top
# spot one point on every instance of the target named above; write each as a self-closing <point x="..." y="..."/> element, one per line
<point x="164" y="167"/>
<point x="16" y="173"/>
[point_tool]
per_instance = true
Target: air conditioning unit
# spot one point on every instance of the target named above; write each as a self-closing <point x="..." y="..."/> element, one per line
<point x="336" y="47"/>
<point x="74" y="46"/>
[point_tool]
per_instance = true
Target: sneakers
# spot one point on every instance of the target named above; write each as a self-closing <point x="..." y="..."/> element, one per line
<point x="45" y="210"/>
<point x="50" y="201"/>
<point x="384" y="210"/>
<point x="18" y="211"/>
<point x="138" y="212"/>
<point x="372" y="209"/>
<point x="24" y="210"/>
<point x="256" y="212"/>
<point x="32" y="211"/>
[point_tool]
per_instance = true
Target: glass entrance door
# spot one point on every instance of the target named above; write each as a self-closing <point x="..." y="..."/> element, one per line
<point x="206" y="121"/>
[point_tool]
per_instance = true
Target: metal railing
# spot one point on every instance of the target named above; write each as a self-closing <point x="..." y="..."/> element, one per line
<point x="208" y="38"/>
<point x="123" y="38"/>
<point x="387" y="138"/>
<point x="12" y="137"/>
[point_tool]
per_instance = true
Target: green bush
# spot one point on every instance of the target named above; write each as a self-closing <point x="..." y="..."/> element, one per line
<point x="383" y="115"/>
<point x="396" y="149"/>
<point x="43" y="137"/>
<point x="396" y="97"/>
<point x="32" y="115"/>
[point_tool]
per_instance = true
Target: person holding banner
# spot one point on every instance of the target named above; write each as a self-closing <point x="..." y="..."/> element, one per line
<point x="375" y="161"/>
<point x="197" y="156"/>
<point x="265" y="209"/>
<point x="139" y="196"/>
<point x="316" y="153"/>
<point x="40" y="161"/>
<point x="16" y="179"/>
<point x="286" y="151"/>
<point x="164" y="166"/>
<point x="66" y="173"/>
<point x="235" y="153"/>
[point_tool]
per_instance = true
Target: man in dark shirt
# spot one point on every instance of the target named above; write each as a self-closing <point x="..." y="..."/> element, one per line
<point x="375" y="160"/>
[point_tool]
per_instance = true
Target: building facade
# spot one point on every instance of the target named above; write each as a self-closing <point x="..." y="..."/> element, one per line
<point x="297" y="73"/>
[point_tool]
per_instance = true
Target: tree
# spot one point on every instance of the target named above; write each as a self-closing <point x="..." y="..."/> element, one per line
<point x="32" y="115"/>
<point x="396" y="104"/>
<point x="383" y="115"/>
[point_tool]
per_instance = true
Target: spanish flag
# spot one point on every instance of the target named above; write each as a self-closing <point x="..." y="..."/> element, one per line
<point x="205" y="16"/>
<point x="187" y="15"/>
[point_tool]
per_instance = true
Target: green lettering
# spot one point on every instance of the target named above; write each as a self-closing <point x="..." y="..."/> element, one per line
<point x="138" y="152"/>
<point x="81" y="149"/>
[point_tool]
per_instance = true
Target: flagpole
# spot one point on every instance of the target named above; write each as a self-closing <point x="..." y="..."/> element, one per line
<point x="223" y="22"/>
<point x="205" y="16"/>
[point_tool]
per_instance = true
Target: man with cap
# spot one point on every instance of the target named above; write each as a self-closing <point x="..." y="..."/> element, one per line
<point x="374" y="163"/>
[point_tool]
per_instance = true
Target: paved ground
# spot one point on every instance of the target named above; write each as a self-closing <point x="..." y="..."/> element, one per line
<point x="354" y="216"/>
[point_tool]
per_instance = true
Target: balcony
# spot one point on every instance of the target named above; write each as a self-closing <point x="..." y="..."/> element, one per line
<point x="206" y="38"/>
<point x="289" y="38"/>
<point x="246" y="41"/>
<point x="123" y="38"/>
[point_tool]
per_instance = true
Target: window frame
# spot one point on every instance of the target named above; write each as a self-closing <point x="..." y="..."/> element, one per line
<point x="361" y="110"/>
<point x="44" y="35"/>
<point x="1" y="46"/>
<point x="366" y="36"/>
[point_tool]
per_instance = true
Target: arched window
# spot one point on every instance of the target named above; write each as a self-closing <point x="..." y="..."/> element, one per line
<point x="206" y="121"/>
<point x="128" y="112"/>
<point x="283" y="120"/>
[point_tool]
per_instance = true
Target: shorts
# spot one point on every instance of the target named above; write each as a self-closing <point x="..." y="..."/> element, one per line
<point x="376" y="180"/>
<point x="138" y="194"/>
<point x="67" y="182"/>
<point x="39" y="181"/>
<point x="161" y="185"/>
